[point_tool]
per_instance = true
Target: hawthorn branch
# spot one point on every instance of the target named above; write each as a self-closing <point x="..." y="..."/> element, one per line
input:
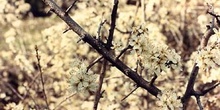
<point x="101" y="49"/>
<point x="190" y="86"/>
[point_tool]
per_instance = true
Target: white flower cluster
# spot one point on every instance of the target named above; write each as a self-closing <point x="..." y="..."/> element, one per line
<point x="151" y="55"/>
<point x="169" y="101"/>
<point x="81" y="80"/>
<point x="209" y="57"/>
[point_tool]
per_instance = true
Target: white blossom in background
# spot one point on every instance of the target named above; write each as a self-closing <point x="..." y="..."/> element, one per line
<point x="169" y="100"/>
<point x="153" y="56"/>
<point x="209" y="57"/>
<point x="81" y="80"/>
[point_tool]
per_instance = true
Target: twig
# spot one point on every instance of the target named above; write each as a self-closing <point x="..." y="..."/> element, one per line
<point x="199" y="102"/>
<point x="94" y="62"/>
<point x="153" y="80"/>
<point x="123" y="51"/>
<point x="119" y="30"/>
<point x="100" y="27"/>
<point x="98" y="92"/>
<point x="64" y="100"/>
<point x="14" y="91"/>
<point x="41" y="76"/>
<point x="112" y="28"/>
<point x="71" y="6"/>
<point x="129" y="93"/>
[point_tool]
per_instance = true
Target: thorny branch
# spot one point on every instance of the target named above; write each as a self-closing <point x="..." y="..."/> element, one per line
<point x="191" y="82"/>
<point x="101" y="49"/>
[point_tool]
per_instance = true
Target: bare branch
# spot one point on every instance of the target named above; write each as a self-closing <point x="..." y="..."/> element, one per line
<point x="130" y="93"/>
<point x="98" y="92"/>
<point x="41" y="76"/>
<point x="71" y="6"/>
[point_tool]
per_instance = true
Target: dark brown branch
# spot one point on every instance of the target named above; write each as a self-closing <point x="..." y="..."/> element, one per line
<point x="100" y="48"/>
<point x="153" y="80"/>
<point x="123" y="51"/>
<point x="189" y="89"/>
<point x="98" y="92"/>
<point x="112" y="28"/>
<point x="41" y="76"/>
<point x="199" y="102"/>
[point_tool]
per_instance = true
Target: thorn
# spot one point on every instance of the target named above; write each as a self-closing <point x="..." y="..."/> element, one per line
<point x="80" y="39"/>
<point x="71" y="6"/>
<point x="209" y="89"/>
<point x="50" y="10"/>
<point x="67" y="30"/>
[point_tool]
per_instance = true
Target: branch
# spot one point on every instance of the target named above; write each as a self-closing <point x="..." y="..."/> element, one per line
<point x="130" y="93"/>
<point x="94" y="62"/>
<point x="113" y="20"/>
<point x="41" y="76"/>
<point x="189" y="89"/>
<point x="98" y="92"/>
<point x="100" y="48"/>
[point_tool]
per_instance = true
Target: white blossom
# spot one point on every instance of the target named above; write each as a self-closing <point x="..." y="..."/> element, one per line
<point x="153" y="56"/>
<point x="81" y="80"/>
<point x="169" y="100"/>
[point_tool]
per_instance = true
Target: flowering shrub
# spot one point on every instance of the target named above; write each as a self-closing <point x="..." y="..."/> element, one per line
<point x="148" y="66"/>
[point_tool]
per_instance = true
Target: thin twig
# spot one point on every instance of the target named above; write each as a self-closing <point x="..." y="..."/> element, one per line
<point x="98" y="92"/>
<point x="94" y="62"/>
<point x="41" y="76"/>
<point x="13" y="90"/>
<point x="64" y="100"/>
<point x="153" y="80"/>
<point x="123" y="51"/>
<point x="100" y="27"/>
<point x="70" y="7"/>
<point x="129" y="93"/>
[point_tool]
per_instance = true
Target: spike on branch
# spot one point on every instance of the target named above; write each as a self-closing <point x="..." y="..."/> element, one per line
<point x="70" y="7"/>
<point x="66" y="30"/>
